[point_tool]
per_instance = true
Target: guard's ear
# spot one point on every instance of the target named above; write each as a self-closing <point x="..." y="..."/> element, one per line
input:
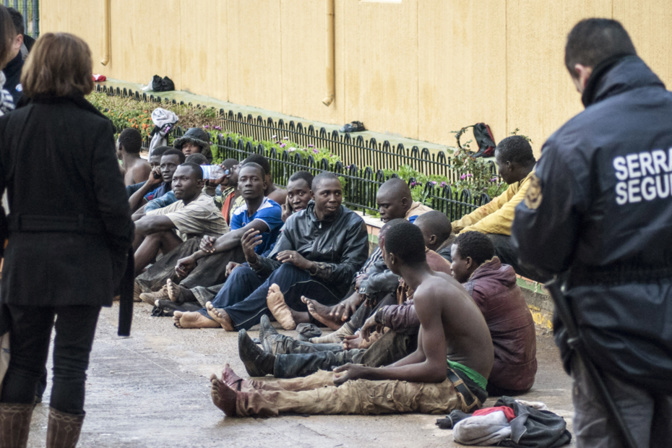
<point x="581" y="76"/>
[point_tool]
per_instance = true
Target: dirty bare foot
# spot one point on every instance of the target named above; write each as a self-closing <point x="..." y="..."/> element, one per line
<point x="335" y="337"/>
<point x="152" y="297"/>
<point x="220" y="316"/>
<point x="174" y="291"/>
<point x="193" y="319"/>
<point x="321" y="313"/>
<point x="223" y="396"/>
<point x="275" y="301"/>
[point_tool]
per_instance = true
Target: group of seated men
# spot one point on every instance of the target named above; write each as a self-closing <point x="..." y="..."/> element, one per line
<point x="430" y="321"/>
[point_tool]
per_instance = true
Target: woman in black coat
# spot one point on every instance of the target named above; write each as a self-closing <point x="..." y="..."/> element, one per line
<point x="69" y="234"/>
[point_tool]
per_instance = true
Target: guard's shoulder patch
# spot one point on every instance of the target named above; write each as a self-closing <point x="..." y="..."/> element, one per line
<point x="533" y="195"/>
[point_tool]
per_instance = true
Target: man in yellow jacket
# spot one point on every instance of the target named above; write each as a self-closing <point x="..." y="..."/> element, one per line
<point x="515" y="162"/>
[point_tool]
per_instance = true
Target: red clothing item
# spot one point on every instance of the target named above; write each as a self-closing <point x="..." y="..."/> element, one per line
<point x="226" y="207"/>
<point x="508" y="412"/>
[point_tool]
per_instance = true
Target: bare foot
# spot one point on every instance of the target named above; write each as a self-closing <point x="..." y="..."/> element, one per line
<point x="152" y="297"/>
<point x="275" y="301"/>
<point x="335" y="337"/>
<point x="223" y="396"/>
<point x="174" y="291"/>
<point x="220" y="316"/>
<point x="193" y="319"/>
<point x="321" y="313"/>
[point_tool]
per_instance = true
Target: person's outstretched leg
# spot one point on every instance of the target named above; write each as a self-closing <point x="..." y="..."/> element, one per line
<point x="261" y="363"/>
<point x="279" y="344"/>
<point x="241" y="283"/>
<point x="390" y="348"/>
<point x="304" y="364"/>
<point x="353" y="397"/>
<point x="292" y="282"/>
<point x="321" y="378"/>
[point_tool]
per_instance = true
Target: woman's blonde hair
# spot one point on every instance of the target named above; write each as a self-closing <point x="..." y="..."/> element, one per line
<point x="7" y="35"/>
<point x="59" y="64"/>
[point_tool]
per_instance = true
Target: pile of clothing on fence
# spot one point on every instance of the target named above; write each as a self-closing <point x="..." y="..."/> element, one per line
<point x="512" y="423"/>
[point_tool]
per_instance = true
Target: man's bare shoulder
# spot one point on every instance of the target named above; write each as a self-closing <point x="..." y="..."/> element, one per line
<point x="139" y="171"/>
<point x="140" y="165"/>
<point x="440" y="286"/>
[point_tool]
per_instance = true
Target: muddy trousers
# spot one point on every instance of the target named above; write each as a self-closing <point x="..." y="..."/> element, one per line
<point x="298" y="361"/>
<point x="316" y="394"/>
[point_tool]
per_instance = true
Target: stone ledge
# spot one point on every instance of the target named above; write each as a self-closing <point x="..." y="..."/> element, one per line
<point x="540" y="303"/>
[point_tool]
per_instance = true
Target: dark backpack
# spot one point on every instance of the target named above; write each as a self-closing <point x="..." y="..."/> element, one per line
<point x="164" y="84"/>
<point x="484" y="139"/>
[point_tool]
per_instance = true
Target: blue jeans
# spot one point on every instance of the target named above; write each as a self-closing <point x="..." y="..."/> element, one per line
<point x="30" y="333"/>
<point x="243" y="296"/>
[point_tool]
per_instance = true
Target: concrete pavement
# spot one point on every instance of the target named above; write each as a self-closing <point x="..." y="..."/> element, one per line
<point x="152" y="390"/>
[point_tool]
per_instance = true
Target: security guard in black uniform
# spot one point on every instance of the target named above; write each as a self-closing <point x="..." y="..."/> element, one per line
<point x="599" y="209"/>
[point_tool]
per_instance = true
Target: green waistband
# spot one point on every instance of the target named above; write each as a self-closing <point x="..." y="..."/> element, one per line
<point x="470" y="373"/>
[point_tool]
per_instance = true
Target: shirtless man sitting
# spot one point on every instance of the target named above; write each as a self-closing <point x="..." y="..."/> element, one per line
<point x="154" y="163"/>
<point x="448" y="371"/>
<point x="134" y="168"/>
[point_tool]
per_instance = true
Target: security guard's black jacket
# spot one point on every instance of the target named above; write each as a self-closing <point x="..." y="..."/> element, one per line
<point x="600" y="208"/>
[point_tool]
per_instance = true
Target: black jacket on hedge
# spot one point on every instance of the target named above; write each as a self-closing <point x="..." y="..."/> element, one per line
<point x="340" y="246"/>
<point x="600" y="207"/>
<point x="69" y="228"/>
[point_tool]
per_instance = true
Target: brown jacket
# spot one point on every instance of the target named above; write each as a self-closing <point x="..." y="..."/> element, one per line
<point x="494" y="289"/>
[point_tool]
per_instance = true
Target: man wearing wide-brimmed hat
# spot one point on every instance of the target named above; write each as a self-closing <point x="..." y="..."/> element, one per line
<point x="193" y="141"/>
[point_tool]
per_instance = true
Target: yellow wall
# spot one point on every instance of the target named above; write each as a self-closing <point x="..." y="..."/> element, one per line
<point x="416" y="68"/>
